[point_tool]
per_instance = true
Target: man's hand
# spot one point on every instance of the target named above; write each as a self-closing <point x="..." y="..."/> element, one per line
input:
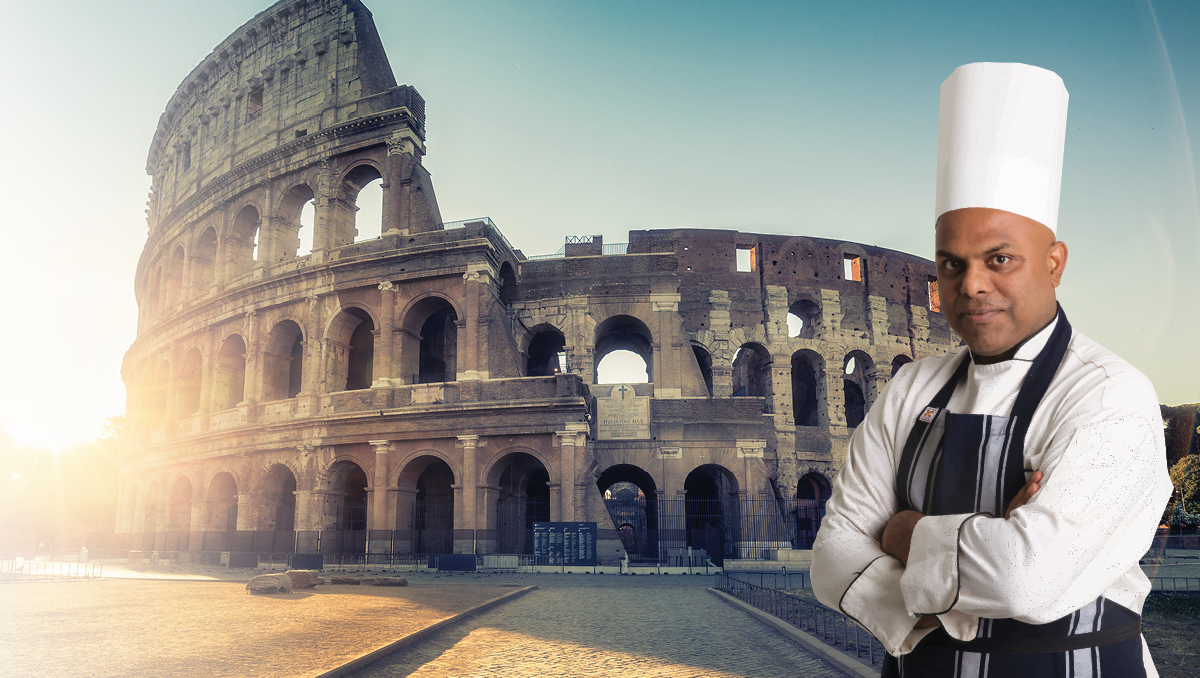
<point x="1031" y="487"/>
<point x="897" y="536"/>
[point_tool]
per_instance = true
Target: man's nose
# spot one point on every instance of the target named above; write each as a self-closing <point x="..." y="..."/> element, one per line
<point x="976" y="280"/>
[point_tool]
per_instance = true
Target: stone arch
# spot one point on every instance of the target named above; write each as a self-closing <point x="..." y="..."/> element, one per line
<point x="635" y="515"/>
<point x="752" y="372"/>
<point x="858" y="373"/>
<point x="812" y="490"/>
<point x="704" y="362"/>
<point x="204" y="259"/>
<point x="357" y="176"/>
<point x="808" y="376"/>
<point x="546" y="354"/>
<point x="406" y="481"/>
<point x="242" y="243"/>
<point x="221" y="502"/>
<point x="278" y="499"/>
<point x="427" y="502"/>
<point x="179" y="510"/>
<point x="191" y="377"/>
<point x="507" y="284"/>
<point x="229" y="383"/>
<point x="283" y="361"/>
<point x="287" y="226"/>
<point x="350" y="339"/>
<point x="804" y="318"/>
<point x="348" y="489"/>
<point x="899" y="361"/>
<point x="174" y="277"/>
<point x="429" y="342"/>
<point x="521" y="497"/>
<point x="711" y="511"/>
<point x="623" y="333"/>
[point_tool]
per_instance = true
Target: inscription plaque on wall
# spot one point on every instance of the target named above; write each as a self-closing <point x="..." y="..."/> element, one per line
<point x="565" y="543"/>
<point x="623" y="416"/>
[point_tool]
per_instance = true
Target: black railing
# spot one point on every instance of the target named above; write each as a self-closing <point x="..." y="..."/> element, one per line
<point x="1175" y="584"/>
<point x="829" y="625"/>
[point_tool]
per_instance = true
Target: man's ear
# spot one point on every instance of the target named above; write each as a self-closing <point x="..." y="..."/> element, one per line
<point x="1056" y="261"/>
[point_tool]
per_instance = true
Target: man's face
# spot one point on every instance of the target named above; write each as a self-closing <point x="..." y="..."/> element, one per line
<point x="996" y="277"/>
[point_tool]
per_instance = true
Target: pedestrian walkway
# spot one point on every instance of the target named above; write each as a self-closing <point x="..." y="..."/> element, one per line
<point x="607" y="625"/>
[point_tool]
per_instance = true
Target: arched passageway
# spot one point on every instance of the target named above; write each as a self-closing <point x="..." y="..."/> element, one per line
<point x="352" y="351"/>
<point x="854" y="381"/>
<point x="752" y="372"/>
<point x="522" y="498"/>
<point x="804" y="388"/>
<point x="811" y="493"/>
<point x="222" y="513"/>
<point x="179" y="515"/>
<point x="624" y="348"/>
<point x="546" y="356"/>
<point x="279" y="499"/>
<point x="283" y="361"/>
<point x="229" y="386"/>
<point x="711" y="512"/>
<point x="429" y="347"/>
<point x="631" y="498"/>
<point x="433" y="512"/>
<point x="347" y="485"/>
<point x="704" y="362"/>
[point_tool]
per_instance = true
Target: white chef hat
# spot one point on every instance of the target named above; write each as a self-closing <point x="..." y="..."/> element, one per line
<point x="1001" y="129"/>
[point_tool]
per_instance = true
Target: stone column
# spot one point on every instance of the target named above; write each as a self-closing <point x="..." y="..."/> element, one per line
<point x="252" y="386"/>
<point x="196" y="529"/>
<point x="568" y="441"/>
<point x="382" y="366"/>
<point x="304" y="510"/>
<point x="722" y="355"/>
<point x="475" y="281"/>
<point x="667" y="382"/>
<point x="470" y="481"/>
<point x="312" y="377"/>
<point x="379" y="486"/>
<point x="245" y="512"/>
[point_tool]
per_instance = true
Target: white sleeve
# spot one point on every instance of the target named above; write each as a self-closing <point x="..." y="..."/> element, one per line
<point x="1102" y="495"/>
<point x="850" y="572"/>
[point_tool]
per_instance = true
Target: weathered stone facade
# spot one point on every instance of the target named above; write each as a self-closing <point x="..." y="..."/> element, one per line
<point x="354" y="387"/>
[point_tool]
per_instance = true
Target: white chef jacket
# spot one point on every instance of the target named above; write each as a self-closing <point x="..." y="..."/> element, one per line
<point x="1096" y="436"/>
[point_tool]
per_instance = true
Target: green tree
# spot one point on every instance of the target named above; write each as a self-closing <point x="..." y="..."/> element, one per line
<point x="1185" y="477"/>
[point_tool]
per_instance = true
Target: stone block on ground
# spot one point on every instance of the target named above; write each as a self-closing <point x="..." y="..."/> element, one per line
<point x="349" y="581"/>
<point x="384" y="581"/>
<point x="303" y="579"/>
<point x="270" y="583"/>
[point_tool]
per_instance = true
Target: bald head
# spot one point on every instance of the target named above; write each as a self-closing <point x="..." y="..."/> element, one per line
<point x="997" y="274"/>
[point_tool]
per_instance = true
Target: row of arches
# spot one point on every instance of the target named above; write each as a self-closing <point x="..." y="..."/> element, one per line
<point x="427" y="353"/>
<point x="228" y="245"/>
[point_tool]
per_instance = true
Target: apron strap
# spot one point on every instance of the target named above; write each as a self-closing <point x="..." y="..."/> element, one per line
<point x="920" y="430"/>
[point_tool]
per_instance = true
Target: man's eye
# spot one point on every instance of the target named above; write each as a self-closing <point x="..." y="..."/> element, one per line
<point x="1001" y="259"/>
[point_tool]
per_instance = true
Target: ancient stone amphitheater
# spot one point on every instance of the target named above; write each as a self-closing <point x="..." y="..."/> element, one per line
<point x="303" y="382"/>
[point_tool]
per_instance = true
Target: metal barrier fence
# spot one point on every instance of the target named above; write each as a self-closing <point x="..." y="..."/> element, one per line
<point x="773" y="580"/>
<point x="808" y="616"/>
<point x="1175" y="584"/>
<point x="42" y="569"/>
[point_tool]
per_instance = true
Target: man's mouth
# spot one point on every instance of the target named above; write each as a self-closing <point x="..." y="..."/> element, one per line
<point x="981" y="315"/>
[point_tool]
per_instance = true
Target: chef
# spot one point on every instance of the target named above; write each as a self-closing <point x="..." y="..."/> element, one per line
<point x="994" y="503"/>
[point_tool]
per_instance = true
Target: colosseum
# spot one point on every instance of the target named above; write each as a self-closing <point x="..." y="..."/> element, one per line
<point x="302" y="382"/>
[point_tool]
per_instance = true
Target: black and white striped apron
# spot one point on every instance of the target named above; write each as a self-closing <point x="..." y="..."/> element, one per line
<point x="969" y="463"/>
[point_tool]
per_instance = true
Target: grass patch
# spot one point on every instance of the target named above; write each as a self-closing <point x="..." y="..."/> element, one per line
<point x="1171" y="625"/>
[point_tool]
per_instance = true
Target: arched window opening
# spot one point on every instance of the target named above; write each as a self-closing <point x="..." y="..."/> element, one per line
<point x="803" y="318"/>
<point x="175" y="277"/>
<point x="522" y="498"/>
<point x="546" y="355"/>
<point x="429" y="344"/>
<point x="811" y="493"/>
<point x="279" y="495"/>
<point x="704" y="362"/>
<point x="293" y="224"/>
<point x="631" y="497"/>
<point x="898" y="362"/>
<point x="362" y="191"/>
<point x="854" y="382"/>
<point x="158" y="393"/>
<point x="711" y="512"/>
<point x="439" y="342"/>
<point x="433" y="516"/>
<point x="361" y="356"/>
<point x="229" y="387"/>
<point x="752" y="372"/>
<point x="204" y="257"/>
<point x="222" y="513"/>
<point x="243" y="242"/>
<point x="283" y="361"/>
<point x="804" y="390"/>
<point x="189" y="383"/>
<point x="623" y="351"/>
<point x="179" y="515"/>
<point x="354" y="508"/>
<point x="508" y="284"/>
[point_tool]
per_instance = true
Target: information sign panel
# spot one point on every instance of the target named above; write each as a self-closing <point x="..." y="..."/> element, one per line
<point x="565" y="543"/>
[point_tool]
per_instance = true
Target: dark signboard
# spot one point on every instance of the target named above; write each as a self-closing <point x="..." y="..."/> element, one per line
<point x="565" y="543"/>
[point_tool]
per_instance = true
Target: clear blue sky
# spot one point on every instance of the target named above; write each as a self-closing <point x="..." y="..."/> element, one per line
<point x="562" y="118"/>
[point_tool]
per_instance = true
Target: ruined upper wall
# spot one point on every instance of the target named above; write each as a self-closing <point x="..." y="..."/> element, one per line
<point x="295" y="69"/>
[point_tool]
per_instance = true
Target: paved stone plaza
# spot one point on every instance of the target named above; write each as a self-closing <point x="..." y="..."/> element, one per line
<point x="606" y="625"/>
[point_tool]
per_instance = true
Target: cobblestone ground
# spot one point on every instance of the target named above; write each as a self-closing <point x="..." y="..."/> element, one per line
<point x="607" y="625"/>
